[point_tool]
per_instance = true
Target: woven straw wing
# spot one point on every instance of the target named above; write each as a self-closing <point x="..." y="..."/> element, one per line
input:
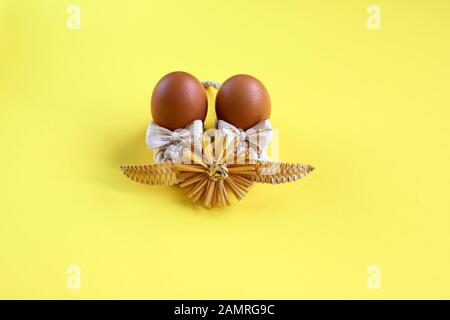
<point x="279" y="172"/>
<point x="152" y="174"/>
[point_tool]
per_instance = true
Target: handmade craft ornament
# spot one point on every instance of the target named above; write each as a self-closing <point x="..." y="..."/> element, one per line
<point x="209" y="165"/>
<point x="207" y="177"/>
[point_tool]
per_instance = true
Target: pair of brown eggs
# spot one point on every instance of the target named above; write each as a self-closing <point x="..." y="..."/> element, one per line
<point x="179" y="98"/>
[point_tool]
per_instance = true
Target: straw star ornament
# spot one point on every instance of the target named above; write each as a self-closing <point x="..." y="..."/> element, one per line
<point x="210" y="172"/>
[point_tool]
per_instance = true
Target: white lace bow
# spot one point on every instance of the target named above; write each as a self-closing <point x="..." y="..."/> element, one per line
<point x="255" y="139"/>
<point x="169" y="145"/>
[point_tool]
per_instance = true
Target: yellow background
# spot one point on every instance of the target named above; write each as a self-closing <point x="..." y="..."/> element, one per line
<point x="369" y="109"/>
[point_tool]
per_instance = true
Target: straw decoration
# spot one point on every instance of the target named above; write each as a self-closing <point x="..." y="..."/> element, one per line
<point x="279" y="172"/>
<point x="152" y="174"/>
<point x="207" y="176"/>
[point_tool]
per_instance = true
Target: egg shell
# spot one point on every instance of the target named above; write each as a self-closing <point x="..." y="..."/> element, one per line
<point x="243" y="101"/>
<point x="178" y="99"/>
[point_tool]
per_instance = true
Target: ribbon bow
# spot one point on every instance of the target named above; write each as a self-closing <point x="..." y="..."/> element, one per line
<point x="257" y="137"/>
<point x="160" y="137"/>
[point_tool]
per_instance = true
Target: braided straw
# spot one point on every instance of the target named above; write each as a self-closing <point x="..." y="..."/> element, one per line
<point x="210" y="83"/>
<point x="279" y="172"/>
<point x="152" y="174"/>
<point x="207" y="178"/>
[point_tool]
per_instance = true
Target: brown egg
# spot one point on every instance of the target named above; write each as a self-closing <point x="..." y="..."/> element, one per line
<point x="178" y="99"/>
<point x="243" y="101"/>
